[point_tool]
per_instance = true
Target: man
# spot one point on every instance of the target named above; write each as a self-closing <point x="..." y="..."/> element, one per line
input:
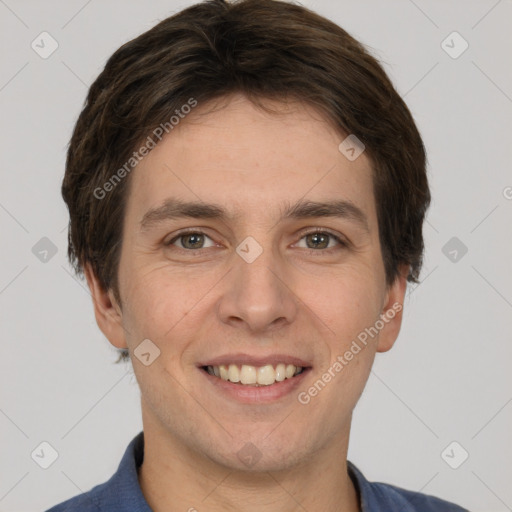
<point x="246" y="192"/>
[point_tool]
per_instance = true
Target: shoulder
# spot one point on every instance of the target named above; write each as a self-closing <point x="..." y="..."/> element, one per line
<point x="121" y="493"/>
<point x="90" y="501"/>
<point x="380" y="497"/>
<point x="411" y="501"/>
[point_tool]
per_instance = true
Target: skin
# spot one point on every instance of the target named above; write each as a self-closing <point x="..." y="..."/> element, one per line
<point x="197" y="304"/>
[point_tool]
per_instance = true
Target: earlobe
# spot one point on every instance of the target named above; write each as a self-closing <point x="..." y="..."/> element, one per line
<point x="393" y="312"/>
<point x="106" y="310"/>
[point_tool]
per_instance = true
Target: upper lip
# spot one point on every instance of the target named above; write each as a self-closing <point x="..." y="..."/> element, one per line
<point x="250" y="360"/>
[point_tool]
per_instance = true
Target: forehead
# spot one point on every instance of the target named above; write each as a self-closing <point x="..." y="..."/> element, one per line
<point x="250" y="160"/>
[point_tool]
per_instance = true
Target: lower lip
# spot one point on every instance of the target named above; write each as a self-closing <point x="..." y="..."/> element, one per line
<point x="256" y="394"/>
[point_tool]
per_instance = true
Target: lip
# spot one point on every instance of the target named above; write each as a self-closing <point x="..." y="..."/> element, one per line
<point x="240" y="359"/>
<point x="255" y="394"/>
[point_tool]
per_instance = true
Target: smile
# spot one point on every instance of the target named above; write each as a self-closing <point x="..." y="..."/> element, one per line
<point x="249" y="375"/>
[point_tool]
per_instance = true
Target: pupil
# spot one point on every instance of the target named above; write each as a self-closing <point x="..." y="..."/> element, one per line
<point x="318" y="238"/>
<point x="195" y="242"/>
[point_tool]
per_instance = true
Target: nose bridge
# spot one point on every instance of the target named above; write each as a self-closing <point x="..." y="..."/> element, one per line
<point x="258" y="274"/>
<point x="256" y="292"/>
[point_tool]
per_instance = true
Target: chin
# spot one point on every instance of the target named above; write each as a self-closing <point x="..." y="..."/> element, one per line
<point x="260" y="452"/>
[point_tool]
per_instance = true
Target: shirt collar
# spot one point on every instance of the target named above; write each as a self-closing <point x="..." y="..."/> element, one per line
<point x="126" y="495"/>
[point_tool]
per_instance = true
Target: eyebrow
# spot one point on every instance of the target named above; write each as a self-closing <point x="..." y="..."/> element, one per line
<point x="173" y="208"/>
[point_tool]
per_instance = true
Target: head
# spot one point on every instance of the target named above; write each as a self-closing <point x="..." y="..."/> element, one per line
<point x="240" y="109"/>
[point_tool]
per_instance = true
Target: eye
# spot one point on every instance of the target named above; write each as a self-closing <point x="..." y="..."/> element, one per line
<point x="314" y="240"/>
<point x="191" y="240"/>
<point x="321" y="240"/>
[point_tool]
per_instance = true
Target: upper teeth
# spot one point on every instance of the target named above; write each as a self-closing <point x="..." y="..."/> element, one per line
<point x="247" y="374"/>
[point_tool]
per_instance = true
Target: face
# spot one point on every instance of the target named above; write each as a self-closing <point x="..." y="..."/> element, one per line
<point x="259" y="283"/>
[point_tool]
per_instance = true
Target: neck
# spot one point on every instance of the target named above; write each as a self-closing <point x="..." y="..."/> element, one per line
<point x="174" y="477"/>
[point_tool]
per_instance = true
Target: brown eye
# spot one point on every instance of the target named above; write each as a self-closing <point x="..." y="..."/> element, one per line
<point x="322" y="240"/>
<point x="190" y="240"/>
<point x="317" y="240"/>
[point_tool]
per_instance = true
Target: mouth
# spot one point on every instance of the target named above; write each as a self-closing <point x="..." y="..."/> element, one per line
<point x="249" y="375"/>
<point x="255" y="380"/>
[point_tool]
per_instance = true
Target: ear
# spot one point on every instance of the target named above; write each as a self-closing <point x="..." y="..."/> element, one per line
<point x="392" y="311"/>
<point x="106" y="310"/>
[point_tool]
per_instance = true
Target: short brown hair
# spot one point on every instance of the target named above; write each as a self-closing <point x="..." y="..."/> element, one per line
<point x="265" y="49"/>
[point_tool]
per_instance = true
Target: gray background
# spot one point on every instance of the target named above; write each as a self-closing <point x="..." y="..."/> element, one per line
<point x="447" y="378"/>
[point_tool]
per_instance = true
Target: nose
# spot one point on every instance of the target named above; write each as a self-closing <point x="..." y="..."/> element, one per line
<point x="258" y="295"/>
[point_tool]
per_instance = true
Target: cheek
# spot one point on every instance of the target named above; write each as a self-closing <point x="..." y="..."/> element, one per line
<point x="348" y="303"/>
<point x="167" y="306"/>
<point x="153" y="306"/>
<point x="349" y="307"/>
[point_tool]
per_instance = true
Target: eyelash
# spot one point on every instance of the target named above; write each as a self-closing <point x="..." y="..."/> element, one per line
<point x="342" y="244"/>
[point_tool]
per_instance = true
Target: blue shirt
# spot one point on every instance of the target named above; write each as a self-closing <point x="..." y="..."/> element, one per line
<point x="122" y="493"/>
